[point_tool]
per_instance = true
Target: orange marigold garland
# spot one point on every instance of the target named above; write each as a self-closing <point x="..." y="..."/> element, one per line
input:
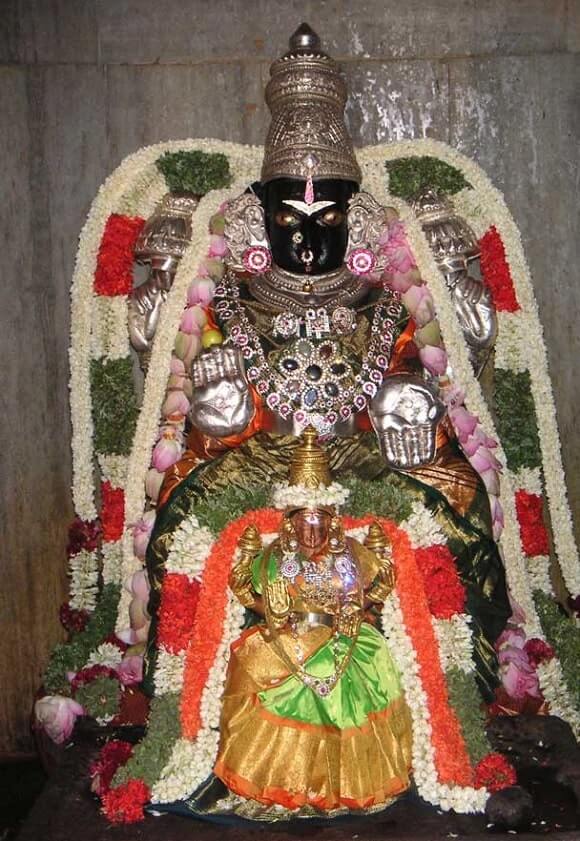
<point x="114" y="271"/>
<point x="444" y="590"/>
<point x="496" y="272"/>
<point x="450" y="752"/>
<point x="207" y="628"/>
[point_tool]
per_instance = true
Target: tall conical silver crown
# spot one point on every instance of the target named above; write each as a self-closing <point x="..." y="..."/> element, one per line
<point x="306" y="95"/>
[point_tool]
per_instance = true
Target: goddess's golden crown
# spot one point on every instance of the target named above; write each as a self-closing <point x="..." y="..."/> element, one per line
<point x="306" y="95"/>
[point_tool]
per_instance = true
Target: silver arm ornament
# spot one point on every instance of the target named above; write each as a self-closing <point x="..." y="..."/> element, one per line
<point x="144" y="308"/>
<point x="477" y="316"/>
<point x="222" y="403"/>
<point x="405" y="414"/>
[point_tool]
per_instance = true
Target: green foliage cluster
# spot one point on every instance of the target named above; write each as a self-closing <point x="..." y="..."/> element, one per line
<point x="115" y="409"/>
<point x="467" y="703"/>
<point x="72" y="656"/>
<point x="382" y="498"/>
<point x="564" y="637"/>
<point x="152" y="754"/>
<point x="516" y="419"/>
<point x="407" y="176"/>
<point x="194" y="172"/>
<point x="216" y="512"/>
<point x="100" y="698"/>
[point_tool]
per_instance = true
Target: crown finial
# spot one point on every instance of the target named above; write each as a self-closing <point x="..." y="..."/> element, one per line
<point x="309" y="467"/>
<point x="304" y="41"/>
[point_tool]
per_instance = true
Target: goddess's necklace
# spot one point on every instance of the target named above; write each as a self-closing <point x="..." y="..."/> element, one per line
<point x="312" y="381"/>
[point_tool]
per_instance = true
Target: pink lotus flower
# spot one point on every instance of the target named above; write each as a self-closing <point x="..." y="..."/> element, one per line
<point x="402" y="282"/>
<point x="419" y="302"/>
<point x="217" y="246"/>
<point x="187" y="347"/>
<point x="177" y="367"/>
<point x="57" y="715"/>
<point x="497" y="517"/>
<point x="434" y="359"/>
<point x="394" y="245"/>
<point x="176" y="403"/>
<point x="153" y="482"/>
<point x="453" y="397"/>
<point x="189" y="323"/>
<point x="518" y="616"/>
<point x="138" y="584"/>
<point x="463" y="422"/>
<point x="167" y="450"/>
<point x="490" y="478"/>
<point x="201" y="291"/>
<point x="483" y="460"/>
<point x="478" y="439"/>
<point x="141" y="534"/>
<point x="130" y="670"/>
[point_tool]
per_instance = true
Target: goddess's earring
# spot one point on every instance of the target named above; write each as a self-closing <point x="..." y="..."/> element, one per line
<point x="366" y="220"/>
<point x="245" y="235"/>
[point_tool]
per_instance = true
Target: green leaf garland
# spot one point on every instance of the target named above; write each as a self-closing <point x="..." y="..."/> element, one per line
<point x="408" y="176"/>
<point x="466" y="701"/>
<point x="516" y="418"/>
<point x="564" y="637"/>
<point x="195" y="172"/>
<point x="73" y="655"/>
<point x="115" y="409"/>
<point x="100" y="698"/>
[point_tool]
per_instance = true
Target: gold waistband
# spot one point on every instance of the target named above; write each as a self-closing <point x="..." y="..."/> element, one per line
<point x="312" y="619"/>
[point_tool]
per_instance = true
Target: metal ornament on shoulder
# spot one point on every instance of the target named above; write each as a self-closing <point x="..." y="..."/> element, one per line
<point x="160" y="246"/>
<point x="405" y="414"/>
<point x="245" y="226"/>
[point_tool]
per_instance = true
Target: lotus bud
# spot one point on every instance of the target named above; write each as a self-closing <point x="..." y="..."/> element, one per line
<point x="434" y="359"/>
<point x="201" y="291"/>
<point x="153" y="482"/>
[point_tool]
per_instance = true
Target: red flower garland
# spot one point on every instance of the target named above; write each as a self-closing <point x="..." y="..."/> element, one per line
<point x="533" y="532"/>
<point x="114" y="272"/>
<point x="89" y="674"/>
<point x="496" y="272"/>
<point x="494" y="772"/>
<point x="72" y="620"/>
<point x="112" y="512"/>
<point x="179" y="598"/>
<point x="538" y="651"/>
<point x="125" y="803"/>
<point x="82" y="534"/>
<point x="102" y="770"/>
<point x="444" y="590"/>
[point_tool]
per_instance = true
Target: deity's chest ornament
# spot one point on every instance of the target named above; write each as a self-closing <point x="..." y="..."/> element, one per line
<point x="313" y="379"/>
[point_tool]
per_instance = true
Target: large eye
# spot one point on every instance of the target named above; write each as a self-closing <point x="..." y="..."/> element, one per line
<point x="286" y="219"/>
<point x="332" y="218"/>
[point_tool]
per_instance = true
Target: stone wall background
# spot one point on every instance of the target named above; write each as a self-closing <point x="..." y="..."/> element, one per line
<point x="85" y="82"/>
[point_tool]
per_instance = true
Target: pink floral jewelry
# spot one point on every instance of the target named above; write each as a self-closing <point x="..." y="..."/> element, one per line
<point x="361" y="261"/>
<point x="257" y="259"/>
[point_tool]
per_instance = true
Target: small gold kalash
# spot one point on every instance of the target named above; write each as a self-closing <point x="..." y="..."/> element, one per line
<point x="312" y="575"/>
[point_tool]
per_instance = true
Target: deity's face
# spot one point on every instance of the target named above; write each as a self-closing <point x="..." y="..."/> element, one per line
<point x="307" y="239"/>
<point x="311" y="528"/>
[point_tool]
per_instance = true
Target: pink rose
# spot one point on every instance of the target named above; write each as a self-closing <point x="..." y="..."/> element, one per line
<point x="167" y="450"/>
<point x="130" y="669"/>
<point x="434" y="359"/>
<point x="57" y="715"/>
<point x="141" y="534"/>
<point x="419" y="302"/>
<point x="153" y="482"/>
<point x="201" y="292"/>
<point x="217" y="246"/>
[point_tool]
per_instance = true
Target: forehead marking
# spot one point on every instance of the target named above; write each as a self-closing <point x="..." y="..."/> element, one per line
<point x="308" y="209"/>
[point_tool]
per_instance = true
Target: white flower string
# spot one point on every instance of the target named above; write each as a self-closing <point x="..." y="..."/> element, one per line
<point x="455" y="641"/>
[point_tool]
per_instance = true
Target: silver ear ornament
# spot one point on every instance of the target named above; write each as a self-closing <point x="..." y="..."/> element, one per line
<point x="366" y="220"/>
<point x="245" y="228"/>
